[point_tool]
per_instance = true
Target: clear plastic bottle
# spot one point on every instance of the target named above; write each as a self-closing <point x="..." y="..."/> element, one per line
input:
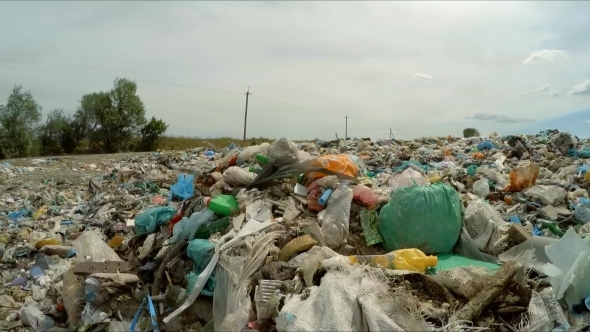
<point x="403" y="259"/>
<point x="187" y="227"/>
<point x="336" y="217"/>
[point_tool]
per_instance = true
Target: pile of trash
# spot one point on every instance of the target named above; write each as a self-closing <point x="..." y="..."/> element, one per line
<point x="433" y="234"/>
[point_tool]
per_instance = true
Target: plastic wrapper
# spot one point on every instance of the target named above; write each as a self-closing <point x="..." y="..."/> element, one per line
<point x="365" y="195"/>
<point x="149" y="221"/>
<point x="35" y="318"/>
<point x="486" y="227"/>
<point x="284" y="152"/>
<point x="183" y="188"/>
<point x="236" y="176"/>
<point x="249" y="152"/>
<point x="549" y="195"/>
<point x="408" y="178"/>
<point x="338" y="163"/>
<point x="187" y="227"/>
<point x="522" y="177"/>
<point x="74" y="297"/>
<point x="91" y="248"/>
<point x="336" y="217"/>
<point x="481" y="187"/>
<point x="201" y="252"/>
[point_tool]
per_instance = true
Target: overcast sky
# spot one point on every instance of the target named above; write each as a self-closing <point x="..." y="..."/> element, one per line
<point x="421" y="68"/>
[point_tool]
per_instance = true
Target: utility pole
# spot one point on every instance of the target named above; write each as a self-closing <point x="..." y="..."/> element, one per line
<point x="248" y="93"/>
<point x="346" y="128"/>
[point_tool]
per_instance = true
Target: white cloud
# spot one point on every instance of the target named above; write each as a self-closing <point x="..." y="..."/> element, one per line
<point x="422" y="77"/>
<point x="582" y="89"/>
<point x="482" y="116"/>
<point x="545" y="56"/>
<point x="320" y="61"/>
<point x="541" y="89"/>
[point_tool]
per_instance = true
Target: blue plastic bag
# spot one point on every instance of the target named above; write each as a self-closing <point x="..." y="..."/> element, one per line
<point x="485" y="145"/>
<point x="201" y="251"/>
<point x="183" y="188"/>
<point x="149" y="221"/>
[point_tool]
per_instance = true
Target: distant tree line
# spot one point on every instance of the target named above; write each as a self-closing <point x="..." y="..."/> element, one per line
<point x="110" y="121"/>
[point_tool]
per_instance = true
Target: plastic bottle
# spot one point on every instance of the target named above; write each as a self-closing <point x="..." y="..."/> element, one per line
<point x="403" y="259"/>
<point x="336" y="217"/>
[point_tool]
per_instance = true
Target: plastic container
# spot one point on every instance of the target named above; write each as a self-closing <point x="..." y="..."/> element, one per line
<point x="403" y="259"/>
<point x="224" y="205"/>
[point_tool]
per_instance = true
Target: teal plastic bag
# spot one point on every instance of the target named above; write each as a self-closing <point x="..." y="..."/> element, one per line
<point x="423" y="217"/>
<point x="201" y="251"/>
<point x="149" y="221"/>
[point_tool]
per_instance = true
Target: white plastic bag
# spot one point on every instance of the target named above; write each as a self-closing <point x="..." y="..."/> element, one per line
<point x="248" y="153"/>
<point x="236" y="176"/>
<point x="481" y="187"/>
<point x="486" y="227"/>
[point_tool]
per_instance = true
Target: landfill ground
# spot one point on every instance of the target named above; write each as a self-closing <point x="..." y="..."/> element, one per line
<point x="433" y="234"/>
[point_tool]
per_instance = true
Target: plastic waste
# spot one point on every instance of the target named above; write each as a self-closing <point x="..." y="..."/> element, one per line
<point x="74" y="297"/>
<point x="569" y="273"/>
<point x="249" y="152"/>
<point x="485" y="145"/>
<point x="333" y="163"/>
<point x="407" y="178"/>
<point x="91" y="248"/>
<point x="283" y="151"/>
<point x="325" y="196"/>
<point x="427" y="218"/>
<point x="201" y="251"/>
<point x="365" y="195"/>
<point x="370" y="226"/>
<point x="149" y="221"/>
<point x="336" y="217"/>
<point x="481" y="187"/>
<point x="549" y="195"/>
<point x="522" y="177"/>
<point x="236" y="176"/>
<point x="206" y="230"/>
<point x="404" y="259"/>
<point x="183" y="188"/>
<point x="187" y="227"/>
<point x="224" y="205"/>
<point x="35" y="318"/>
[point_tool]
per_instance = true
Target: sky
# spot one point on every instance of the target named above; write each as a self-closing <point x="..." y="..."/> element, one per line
<point x="420" y="68"/>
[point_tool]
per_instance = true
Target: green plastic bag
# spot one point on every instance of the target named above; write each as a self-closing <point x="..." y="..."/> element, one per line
<point x="423" y="217"/>
<point x="149" y="221"/>
<point x="201" y="251"/>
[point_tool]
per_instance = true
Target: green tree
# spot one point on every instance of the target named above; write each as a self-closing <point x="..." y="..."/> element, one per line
<point x="19" y="119"/>
<point x="470" y="132"/>
<point x="112" y="119"/>
<point x="52" y="131"/>
<point x="151" y="134"/>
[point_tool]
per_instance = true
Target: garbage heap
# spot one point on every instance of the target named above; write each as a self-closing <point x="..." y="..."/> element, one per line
<point x="425" y="235"/>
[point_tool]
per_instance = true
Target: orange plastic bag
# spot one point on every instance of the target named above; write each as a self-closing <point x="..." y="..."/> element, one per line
<point x="478" y="155"/>
<point x="522" y="178"/>
<point x="339" y="163"/>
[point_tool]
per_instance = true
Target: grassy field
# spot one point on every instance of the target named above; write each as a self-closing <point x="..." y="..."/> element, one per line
<point x="185" y="142"/>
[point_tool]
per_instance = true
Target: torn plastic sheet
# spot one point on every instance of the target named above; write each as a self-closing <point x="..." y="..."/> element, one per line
<point x="568" y="273"/>
<point x="252" y="227"/>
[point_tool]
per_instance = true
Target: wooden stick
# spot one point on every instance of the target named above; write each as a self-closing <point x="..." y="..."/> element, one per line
<point x="494" y="287"/>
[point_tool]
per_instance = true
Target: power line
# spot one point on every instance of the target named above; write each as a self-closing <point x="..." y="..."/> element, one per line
<point x="248" y="93"/>
<point x="110" y="69"/>
<point x="43" y="70"/>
